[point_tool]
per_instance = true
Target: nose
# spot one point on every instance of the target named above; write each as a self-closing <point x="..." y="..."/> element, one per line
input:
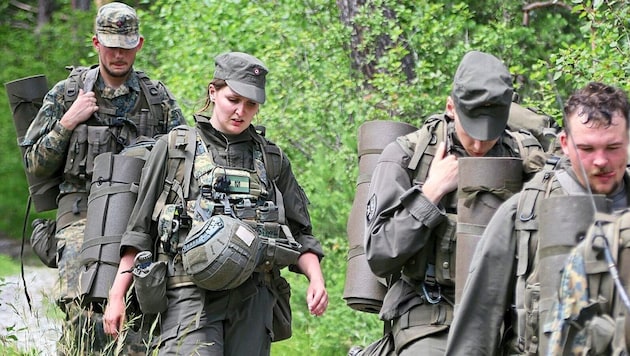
<point x="477" y="145"/>
<point x="600" y="159"/>
<point x="239" y="108"/>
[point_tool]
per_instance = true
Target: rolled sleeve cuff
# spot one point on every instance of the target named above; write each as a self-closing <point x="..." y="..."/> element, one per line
<point x="137" y="240"/>
<point x="421" y="208"/>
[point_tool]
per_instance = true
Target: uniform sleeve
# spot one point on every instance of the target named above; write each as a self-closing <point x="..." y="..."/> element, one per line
<point x="46" y="141"/>
<point x="400" y="218"/>
<point x="296" y="210"/>
<point x="489" y="288"/>
<point x="174" y="114"/>
<point x="138" y="233"/>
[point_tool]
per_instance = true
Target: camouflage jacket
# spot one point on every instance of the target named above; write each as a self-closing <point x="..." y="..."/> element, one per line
<point x="47" y="143"/>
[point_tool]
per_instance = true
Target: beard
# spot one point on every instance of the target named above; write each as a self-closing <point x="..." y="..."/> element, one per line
<point x="116" y="74"/>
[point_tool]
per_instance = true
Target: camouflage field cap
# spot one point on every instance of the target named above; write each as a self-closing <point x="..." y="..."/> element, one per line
<point x="482" y="93"/>
<point x="116" y="26"/>
<point x="243" y="73"/>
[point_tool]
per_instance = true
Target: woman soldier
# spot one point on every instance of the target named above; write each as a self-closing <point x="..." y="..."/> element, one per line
<point x="240" y="194"/>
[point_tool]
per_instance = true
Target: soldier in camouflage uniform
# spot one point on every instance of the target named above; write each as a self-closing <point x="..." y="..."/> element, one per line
<point x="499" y="310"/>
<point x="227" y="161"/>
<point x="64" y="139"/>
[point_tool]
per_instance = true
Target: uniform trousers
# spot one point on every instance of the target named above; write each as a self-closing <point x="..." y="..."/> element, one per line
<point x="209" y="323"/>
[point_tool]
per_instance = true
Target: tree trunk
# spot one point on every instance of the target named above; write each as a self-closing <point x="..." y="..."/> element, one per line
<point x="44" y="12"/>
<point x="81" y="4"/>
<point x="359" y="51"/>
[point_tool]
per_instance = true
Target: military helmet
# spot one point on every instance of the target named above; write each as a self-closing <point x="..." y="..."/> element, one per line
<point x="220" y="253"/>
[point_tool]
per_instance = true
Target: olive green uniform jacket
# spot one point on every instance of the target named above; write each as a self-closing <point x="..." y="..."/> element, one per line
<point x="490" y="287"/>
<point x="401" y="221"/>
<point x="234" y="152"/>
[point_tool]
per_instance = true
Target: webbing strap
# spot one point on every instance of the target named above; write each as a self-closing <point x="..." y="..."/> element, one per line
<point x="427" y="139"/>
<point x="116" y="189"/>
<point x="101" y="240"/>
<point x="176" y="139"/>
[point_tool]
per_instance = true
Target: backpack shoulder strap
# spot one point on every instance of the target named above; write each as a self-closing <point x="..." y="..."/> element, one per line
<point x="272" y="154"/>
<point x="182" y="144"/>
<point x="423" y="143"/>
<point x="79" y="78"/>
<point x="539" y="187"/>
<point x="155" y="93"/>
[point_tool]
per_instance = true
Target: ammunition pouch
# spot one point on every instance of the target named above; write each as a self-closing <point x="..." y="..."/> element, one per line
<point x="445" y="246"/>
<point x="43" y="241"/>
<point x="89" y="141"/>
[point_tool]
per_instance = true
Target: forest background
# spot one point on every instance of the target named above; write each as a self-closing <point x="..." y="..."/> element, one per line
<point x="333" y="66"/>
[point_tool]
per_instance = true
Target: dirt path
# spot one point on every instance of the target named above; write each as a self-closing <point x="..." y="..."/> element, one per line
<point x="38" y="329"/>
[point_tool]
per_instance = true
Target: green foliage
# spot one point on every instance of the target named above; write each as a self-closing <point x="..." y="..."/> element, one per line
<point x="65" y="42"/>
<point x="7" y="267"/>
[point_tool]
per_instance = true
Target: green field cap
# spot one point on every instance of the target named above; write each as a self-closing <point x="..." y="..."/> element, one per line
<point x="116" y="26"/>
<point x="482" y="93"/>
<point x="243" y="73"/>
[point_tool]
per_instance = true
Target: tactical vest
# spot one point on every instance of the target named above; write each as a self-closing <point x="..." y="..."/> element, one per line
<point x="240" y="193"/>
<point x="103" y="132"/>
<point x="591" y="316"/>
<point x="437" y="263"/>
<point x="541" y="250"/>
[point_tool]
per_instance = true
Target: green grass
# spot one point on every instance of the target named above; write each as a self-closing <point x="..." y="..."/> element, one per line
<point x="8" y="266"/>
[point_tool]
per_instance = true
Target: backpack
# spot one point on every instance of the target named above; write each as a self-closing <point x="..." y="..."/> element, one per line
<point x="540" y="125"/>
<point x="422" y="146"/>
<point x="545" y="234"/>
<point x="363" y="291"/>
<point x="589" y="317"/>
<point x="85" y="78"/>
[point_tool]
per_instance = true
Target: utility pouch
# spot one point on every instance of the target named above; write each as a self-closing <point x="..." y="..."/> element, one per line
<point x="445" y="247"/>
<point x="43" y="241"/>
<point x="281" y="290"/>
<point x="281" y="252"/>
<point x="77" y="151"/>
<point x="150" y="284"/>
<point x="100" y="140"/>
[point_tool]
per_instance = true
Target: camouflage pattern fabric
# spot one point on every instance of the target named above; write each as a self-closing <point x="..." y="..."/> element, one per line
<point x="55" y="143"/>
<point x="83" y="330"/>
<point x="572" y="298"/>
<point x="69" y="242"/>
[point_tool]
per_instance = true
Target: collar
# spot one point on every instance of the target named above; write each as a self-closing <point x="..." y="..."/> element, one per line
<point x="131" y="84"/>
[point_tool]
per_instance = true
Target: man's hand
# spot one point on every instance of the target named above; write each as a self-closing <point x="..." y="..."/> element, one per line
<point x="114" y="316"/>
<point x="80" y="111"/>
<point x="442" y="177"/>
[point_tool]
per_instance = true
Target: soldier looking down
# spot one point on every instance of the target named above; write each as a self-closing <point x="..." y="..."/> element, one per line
<point x="229" y="215"/>
<point x="412" y="210"/>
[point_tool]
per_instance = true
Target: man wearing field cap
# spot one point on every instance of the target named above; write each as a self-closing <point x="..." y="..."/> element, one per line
<point x="104" y="108"/>
<point x="411" y="213"/>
